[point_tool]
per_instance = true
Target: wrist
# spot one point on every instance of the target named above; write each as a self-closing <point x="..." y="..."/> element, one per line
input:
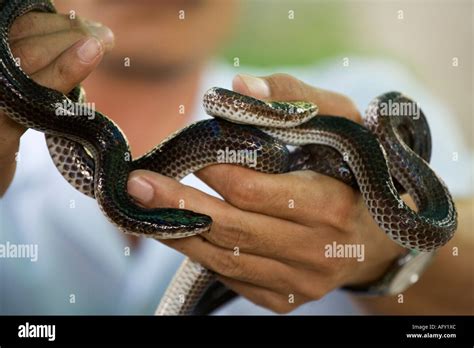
<point x="377" y="265"/>
<point x="380" y="253"/>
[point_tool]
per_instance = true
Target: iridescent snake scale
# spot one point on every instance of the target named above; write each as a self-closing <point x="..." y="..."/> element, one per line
<point x="93" y="155"/>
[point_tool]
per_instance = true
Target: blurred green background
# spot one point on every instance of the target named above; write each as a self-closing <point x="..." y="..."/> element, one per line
<point x="266" y="35"/>
<point x="424" y="35"/>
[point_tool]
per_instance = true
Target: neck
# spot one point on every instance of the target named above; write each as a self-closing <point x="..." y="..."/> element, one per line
<point x="147" y="111"/>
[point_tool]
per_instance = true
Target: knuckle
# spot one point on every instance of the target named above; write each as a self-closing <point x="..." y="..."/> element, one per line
<point x="240" y="190"/>
<point x="312" y="288"/>
<point x="226" y="264"/>
<point x="312" y="292"/>
<point x="280" y="83"/>
<point x="175" y="198"/>
<point x="242" y="233"/>
<point x="317" y="295"/>
<point x="74" y="22"/>
<point x="22" y="25"/>
<point x="65" y="75"/>
<point x="30" y="59"/>
<point x="284" y="85"/>
<point x="62" y="71"/>
<point x="229" y="236"/>
<point x="343" y="209"/>
<point x="275" y="302"/>
<point x="279" y="78"/>
<point x="328" y="272"/>
<point x="282" y="306"/>
<point x="284" y="282"/>
<point x="341" y="213"/>
<point x="335" y="276"/>
<point x="18" y="49"/>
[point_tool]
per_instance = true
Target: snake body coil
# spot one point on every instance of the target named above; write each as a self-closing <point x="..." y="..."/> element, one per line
<point x="93" y="155"/>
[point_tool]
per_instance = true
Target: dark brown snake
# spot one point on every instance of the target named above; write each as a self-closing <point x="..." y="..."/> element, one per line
<point x="94" y="156"/>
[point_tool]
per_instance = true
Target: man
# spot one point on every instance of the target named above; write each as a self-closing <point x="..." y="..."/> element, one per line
<point x="152" y="72"/>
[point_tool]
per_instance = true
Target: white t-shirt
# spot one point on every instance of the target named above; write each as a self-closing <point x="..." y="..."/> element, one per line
<point x="82" y="265"/>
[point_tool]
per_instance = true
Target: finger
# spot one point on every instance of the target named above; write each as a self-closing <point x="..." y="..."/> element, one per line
<point x="37" y="52"/>
<point x="285" y="87"/>
<point x="40" y="23"/>
<point x="252" y="269"/>
<point x="231" y="228"/>
<point x="263" y="297"/>
<point x="9" y="143"/>
<point x="304" y="197"/>
<point x="72" y="66"/>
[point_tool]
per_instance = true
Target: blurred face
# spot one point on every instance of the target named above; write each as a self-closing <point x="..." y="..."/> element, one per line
<point x="160" y="34"/>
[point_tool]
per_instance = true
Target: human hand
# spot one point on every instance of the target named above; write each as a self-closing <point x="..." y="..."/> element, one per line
<point x="282" y="225"/>
<point x="57" y="52"/>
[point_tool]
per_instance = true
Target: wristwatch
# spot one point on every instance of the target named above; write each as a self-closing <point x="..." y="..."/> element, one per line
<point x="404" y="272"/>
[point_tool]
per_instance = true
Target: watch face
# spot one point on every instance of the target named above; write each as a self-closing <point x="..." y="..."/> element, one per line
<point x="409" y="272"/>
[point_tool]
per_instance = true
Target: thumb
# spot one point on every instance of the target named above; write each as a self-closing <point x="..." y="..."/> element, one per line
<point x="284" y="87"/>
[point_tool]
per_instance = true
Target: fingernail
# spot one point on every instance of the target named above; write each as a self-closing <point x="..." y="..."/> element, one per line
<point x="104" y="34"/>
<point x="140" y="189"/>
<point x="257" y="87"/>
<point x="89" y="50"/>
<point x="92" y="23"/>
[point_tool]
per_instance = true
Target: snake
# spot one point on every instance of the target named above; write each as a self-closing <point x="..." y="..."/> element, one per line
<point x="384" y="157"/>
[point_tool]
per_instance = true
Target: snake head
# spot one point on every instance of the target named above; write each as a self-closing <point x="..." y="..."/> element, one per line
<point x="242" y="109"/>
